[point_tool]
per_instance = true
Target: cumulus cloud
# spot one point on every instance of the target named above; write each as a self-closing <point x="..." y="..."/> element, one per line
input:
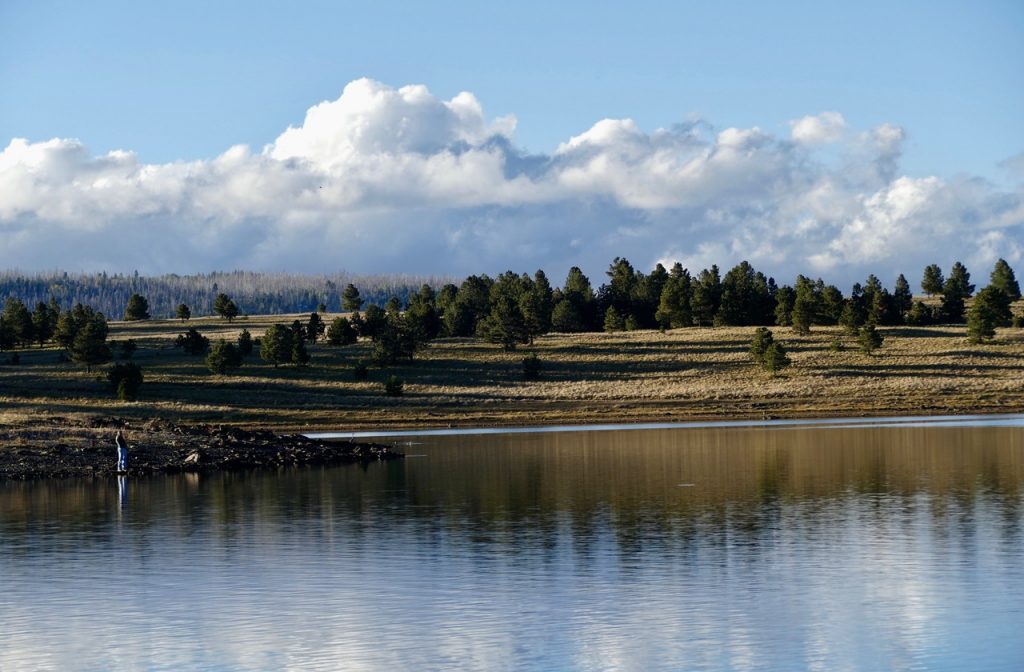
<point x="387" y="180"/>
<point x="825" y="127"/>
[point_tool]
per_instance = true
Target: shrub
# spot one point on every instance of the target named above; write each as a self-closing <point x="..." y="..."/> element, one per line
<point x="192" y="342"/>
<point x="393" y="386"/>
<point x="125" y="378"/>
<point x="531" y="366"/>
<point x="360" y="371"/>
<point x="836" y="345"/>
<point x="223" y="356"/>
<point x="775" y="358"/>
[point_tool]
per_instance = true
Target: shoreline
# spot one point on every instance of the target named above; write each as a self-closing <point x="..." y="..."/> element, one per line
<point x="59" y="447"/>
<point x="970" y="419"/>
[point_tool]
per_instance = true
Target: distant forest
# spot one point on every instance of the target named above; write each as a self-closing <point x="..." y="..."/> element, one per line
<point x="253" y="293"/>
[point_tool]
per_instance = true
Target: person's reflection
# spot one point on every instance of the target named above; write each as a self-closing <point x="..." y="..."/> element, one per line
<point x="122" y="492"/>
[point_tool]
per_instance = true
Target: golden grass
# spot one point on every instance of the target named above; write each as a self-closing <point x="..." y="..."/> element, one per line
<point x="633" y="376"/>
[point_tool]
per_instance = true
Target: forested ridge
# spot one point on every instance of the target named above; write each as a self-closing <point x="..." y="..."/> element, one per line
<point x="254" y="293"/>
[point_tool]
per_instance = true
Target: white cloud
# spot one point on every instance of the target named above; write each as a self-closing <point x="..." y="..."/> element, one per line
<point x="825" y="127"/>
<point x="388" y="180"/>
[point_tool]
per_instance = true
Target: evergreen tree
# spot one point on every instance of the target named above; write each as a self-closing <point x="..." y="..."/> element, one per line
<point x="932" y="281"/>
<point x="223" y="357"/>
<point x="245" y="343"/>
<point x="44" y="323"/>
<point x="183" y="312"/>
<point x="613" y="320"/>
<point x="775" y="358"/>
<point x="225" y="307"/>
<point x="832" y="305"/>
<point x="341" y="332"/>
<point x="192" y="342"/>
<point x="90" y="344"/>
<point x="396" y="340"/>
<point x="850" y="319"/>
<point x="373" y="322"/>
<point x="990" y="309"/>
<point x="578" y="313"/>
<point x="763" y="339"/>
<point x="805" y="303"/>
<point x="125" y="378"/>
<point x="277" y="344"/>
<point x="1004" y="279"/>
<point x="674" y="304"/>
<point x="956" y="290"/>
<point x="18" y="320"/>
<point x="300" y="356"/>
<point x="745" y="297"/>
<point x="869" y="339"/>
<point x="784" y="299"/>
<point x="315" y="327"/>
<point x="7" y="338"/>
<point x="505" y="324"/>
<point x="706" y="297"/>
<point x="902" y="298"/>
<point x="619" y="291"/>
<point x="566" y="318"/>
<point x="137" y="308"/>
<point x="350" y="299"/>
<point x="422" y="315"/>
<point x="920" y="315"/>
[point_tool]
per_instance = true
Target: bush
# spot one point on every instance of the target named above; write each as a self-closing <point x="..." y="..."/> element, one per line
<point x="775" y="358"/>
<point x="836" y="345"/>
<point x="128" y="349"/>
<point x="393" y="386"/>
<point x="192" y="342"/>
<point x="763" y="339"/>
<point x="223" y="357"/>
<point x="531" y="366"/>
<point x="360" y="371"/>
<point x="125" y="378"/>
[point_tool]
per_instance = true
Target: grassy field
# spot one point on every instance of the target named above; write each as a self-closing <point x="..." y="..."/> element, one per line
<point x="633" y="376"/>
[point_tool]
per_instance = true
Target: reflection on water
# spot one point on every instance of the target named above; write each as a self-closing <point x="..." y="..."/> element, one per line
<point x="725" y="548"/>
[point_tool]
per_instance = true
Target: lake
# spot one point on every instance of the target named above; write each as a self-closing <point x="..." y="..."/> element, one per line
<point x="859" y="546"/>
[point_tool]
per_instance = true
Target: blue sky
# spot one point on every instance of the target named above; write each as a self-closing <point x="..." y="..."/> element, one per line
<point x="185" y="81"/>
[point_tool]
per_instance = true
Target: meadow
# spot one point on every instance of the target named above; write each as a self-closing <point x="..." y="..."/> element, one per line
<point x="677" y="375"/>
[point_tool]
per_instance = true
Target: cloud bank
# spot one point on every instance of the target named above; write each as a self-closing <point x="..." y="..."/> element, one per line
<point x="399" y="180"/>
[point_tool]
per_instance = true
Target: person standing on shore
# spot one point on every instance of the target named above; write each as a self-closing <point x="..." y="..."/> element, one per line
<point x="122" y="452"/>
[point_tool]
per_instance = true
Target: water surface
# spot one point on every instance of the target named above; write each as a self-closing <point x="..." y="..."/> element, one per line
<point x="721" y="548"/>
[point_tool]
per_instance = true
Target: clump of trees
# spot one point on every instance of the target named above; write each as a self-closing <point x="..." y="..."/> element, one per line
<point x="224" y="306"/>
<point x="192" y="342"/>
<point x="282" y="344"/>
<point x="768" y="352"/>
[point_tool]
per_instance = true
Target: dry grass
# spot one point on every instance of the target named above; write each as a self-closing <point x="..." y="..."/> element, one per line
<point x="634" y="376"/>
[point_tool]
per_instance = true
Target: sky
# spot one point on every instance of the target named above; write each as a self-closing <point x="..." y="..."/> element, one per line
<point x="834" y="139"/>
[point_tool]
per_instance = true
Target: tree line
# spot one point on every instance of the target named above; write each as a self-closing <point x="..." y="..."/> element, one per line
<point x="254" y="293"/>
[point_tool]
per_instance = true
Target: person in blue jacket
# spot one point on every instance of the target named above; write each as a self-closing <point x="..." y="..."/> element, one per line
<point x="122" y="452"/>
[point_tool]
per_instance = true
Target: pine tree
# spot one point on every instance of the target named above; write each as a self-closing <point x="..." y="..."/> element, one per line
<point x="300" y="356"/>
<point x="44" y="323"/>
<point x="225" y="307"/>
<point x="869" y="339"/>
<point x="183" y="312"/>
<point x="90" y="344"/>
<point x="775" y="358"/>
<point x="991" y="308"/>
<point x="276" y="345"/>
<point x="1004" y="279"/>
<point x="932" y="281"/>
<point x="245" y="343"/>
<point x="341" y="332"/>
<point x="955" y="291"/>
<point x="314" y="327"/>
<point x="18" y="320"/>
<point x="763" y="339"/>
<point x="613" y="320"/>
<point x="350" y="299"/>
<point x="137" y="308"/>
<point x="902" y="298"/>
<point x="223" y="357"/>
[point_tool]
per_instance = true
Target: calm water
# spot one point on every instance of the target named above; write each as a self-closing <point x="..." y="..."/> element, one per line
<point x="788" y="548"/>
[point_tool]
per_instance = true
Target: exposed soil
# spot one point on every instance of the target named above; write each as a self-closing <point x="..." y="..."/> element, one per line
<point x="55" y="447"/>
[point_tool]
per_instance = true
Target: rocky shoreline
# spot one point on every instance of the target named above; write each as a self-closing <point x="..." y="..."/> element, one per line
<point x="58" y="447"/>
